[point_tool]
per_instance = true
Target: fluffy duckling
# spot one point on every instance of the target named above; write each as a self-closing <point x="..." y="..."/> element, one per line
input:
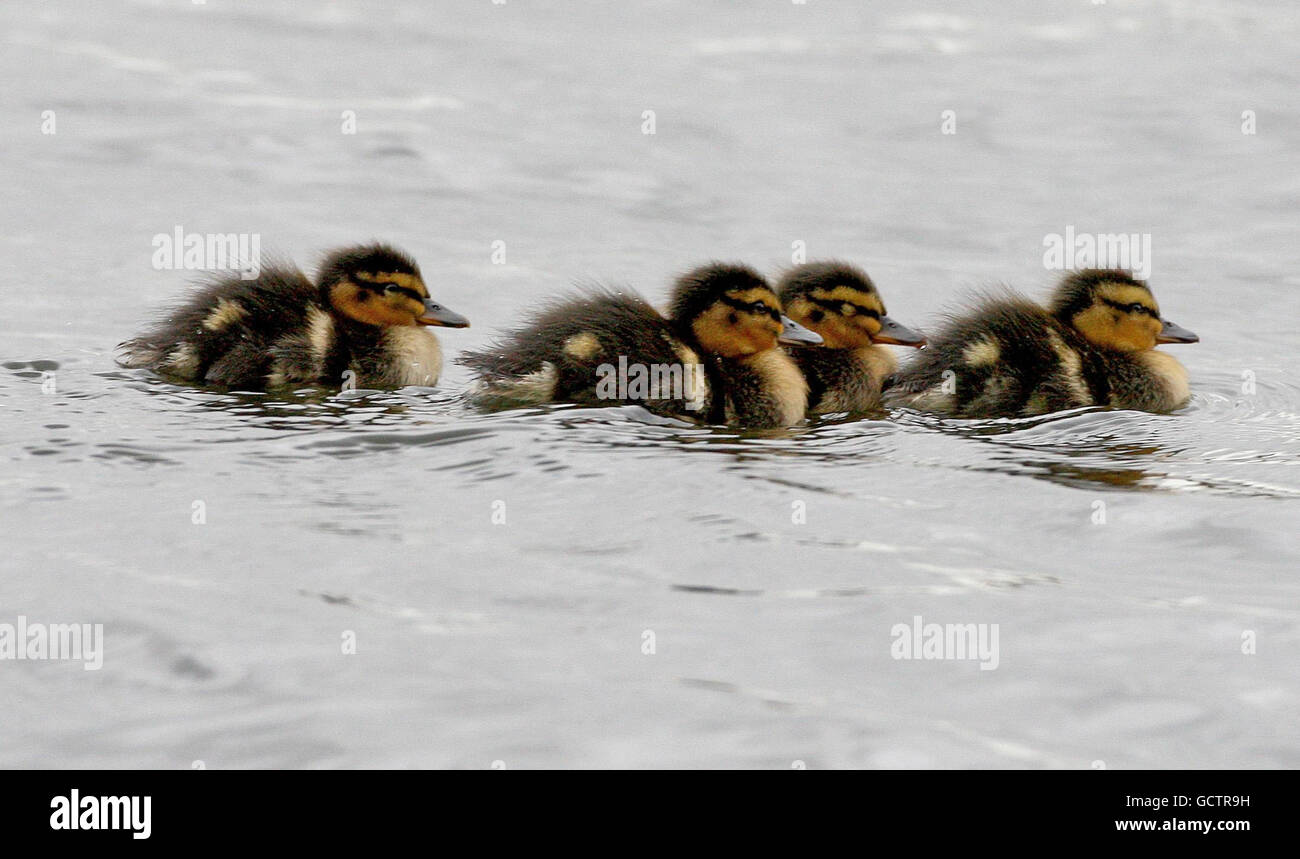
<point x="1092" y="345"/>
<point x="713" y="358"/>
<point x="839" y="302"/>
<point x="366" y="313"/>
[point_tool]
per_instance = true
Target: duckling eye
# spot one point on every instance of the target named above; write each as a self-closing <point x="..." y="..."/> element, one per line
<point x="817" y="315"/>
<point x="1137" y="307"/>
<point x="391" y="289"/>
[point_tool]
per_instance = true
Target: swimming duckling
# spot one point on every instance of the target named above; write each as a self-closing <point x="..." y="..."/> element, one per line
<point x="839" y="302"/>
<point x="1092" y="345"/>
<point x="714" y="358"/>
<point x="366" y="313"/>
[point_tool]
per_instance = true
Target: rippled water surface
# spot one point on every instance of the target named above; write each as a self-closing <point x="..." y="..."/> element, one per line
<point x="1123" y="556"/>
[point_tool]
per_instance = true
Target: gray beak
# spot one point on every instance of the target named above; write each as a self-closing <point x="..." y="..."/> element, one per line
<point x="792" y="333"/>
<point x="900" y="335"/>
<point x="436" y="314"/>
<point x="1172" y="333"/>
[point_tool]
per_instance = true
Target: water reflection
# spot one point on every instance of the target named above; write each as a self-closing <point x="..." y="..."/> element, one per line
<point x="1216" y="445"/>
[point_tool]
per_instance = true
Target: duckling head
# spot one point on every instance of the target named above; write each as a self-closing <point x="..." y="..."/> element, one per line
<point x="1112" y="309"/>
<point x="731" y="311"/>
<point x="381" y="286"/>
<point x="839" y="302"/>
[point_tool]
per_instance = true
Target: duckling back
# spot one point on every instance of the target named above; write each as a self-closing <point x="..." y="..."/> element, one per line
<point x="604" y="348"/>
<point x="226" y="333"/>
<point x="1009" y="357"/>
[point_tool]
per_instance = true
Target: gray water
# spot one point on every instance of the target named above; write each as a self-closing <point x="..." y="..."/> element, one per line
<point x="1127" y="559"/>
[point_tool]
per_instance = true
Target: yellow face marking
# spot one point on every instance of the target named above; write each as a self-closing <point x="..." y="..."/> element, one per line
<point x="749" y="334"/>
<point x="1115" y="328"/>
<point x="379" y="309"/>
<point x="869" y="300"/>
<point x="845" y="328"/>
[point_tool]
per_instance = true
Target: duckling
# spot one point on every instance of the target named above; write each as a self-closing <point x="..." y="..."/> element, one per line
<point x="1092" y="345"/>
<point x="713" y="358"/>
<point x="839" y="302"/>
<point x="366" y="313"/>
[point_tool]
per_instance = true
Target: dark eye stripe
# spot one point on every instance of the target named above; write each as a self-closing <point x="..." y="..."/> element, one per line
<point x="834" y="307"/>
<point x="404" y="290"/>
<point x="1135" y="307"/>
<point x="757" y="307"/>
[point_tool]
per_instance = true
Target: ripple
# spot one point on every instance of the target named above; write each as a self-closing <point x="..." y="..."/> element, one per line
<point x="1194" y="449"/>
<point x="767" y="697"/>
<point x="360" y="443"/>
<point x="35" y="370"/>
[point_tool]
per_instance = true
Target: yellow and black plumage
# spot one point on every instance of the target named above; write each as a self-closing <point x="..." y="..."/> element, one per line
<point x="1092" y="345"/>
<point x="721" y="333"/>
<point x="367" y="313"/>
<point x="839" y="302"/>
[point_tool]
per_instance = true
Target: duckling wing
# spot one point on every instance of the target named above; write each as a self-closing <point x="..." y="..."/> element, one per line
<point x="223" y="334"/>
<point x="1006" y="358"/>
<point x="541" y="339"/>
<point x="568" y="352"/>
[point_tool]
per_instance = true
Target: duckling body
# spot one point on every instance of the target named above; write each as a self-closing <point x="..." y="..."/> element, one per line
<point x="840" y="302"/>
<point x="365" y="315"/>
<point x="1093" y="346"/>
<point x="760" y="391"/>
<point x="556" y="358"/>
<point x="714" y="358"/>
<point x="844" y="380"/>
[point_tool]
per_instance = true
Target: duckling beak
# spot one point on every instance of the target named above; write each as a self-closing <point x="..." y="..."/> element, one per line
<point x="899" y="335"/>
<point x="1172" y="333"/>
<point x="436" y="314"/>
<point x="794" y="334"/>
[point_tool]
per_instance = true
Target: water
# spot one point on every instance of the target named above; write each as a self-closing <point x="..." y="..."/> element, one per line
<point x="371" y="514"/>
